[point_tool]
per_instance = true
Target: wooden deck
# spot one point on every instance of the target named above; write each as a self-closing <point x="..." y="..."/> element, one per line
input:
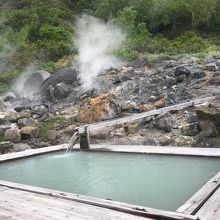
<point x="206" y="202"/>
<point x="21" y="202"/>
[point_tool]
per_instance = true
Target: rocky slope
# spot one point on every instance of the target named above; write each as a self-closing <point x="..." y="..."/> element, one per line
<point x="60" y="103"/>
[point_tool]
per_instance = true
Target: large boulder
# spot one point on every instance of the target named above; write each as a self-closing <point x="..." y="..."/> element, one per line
<point x="164" y="122"/>
<point x="34" y="81"/>
<point x="67" y="76"/>
<point x="99" y="108"/>
<point x="181" y="70"/>
<point x="208" y="113"/>
<point x="13" y="135"/>
<point x="138" y="63"/>
<point x="29" y="132"/>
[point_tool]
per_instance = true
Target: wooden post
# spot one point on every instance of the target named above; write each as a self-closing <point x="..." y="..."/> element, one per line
<point x="84" y="140"/>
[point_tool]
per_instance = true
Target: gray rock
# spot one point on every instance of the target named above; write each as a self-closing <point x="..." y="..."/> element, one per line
<point x="67" y="76"/>
<point x="191" y="118"/>
<point x="212" y="66"/>
<point x="209" y="59"/>
<point x="181" y="78"/>
<point x="39" y="110"/>
<point x="208" y="128"/>
<point x="34" y="81"/>
<point x="61" y="90"/>
<point x="182" y="70"/>
<point x="29" y="132"/>
<point x="2" y="106"/>
<point x="164" y="122"/>
<point x="138" y="63"/>
<point x="21" y="147"/>
<point x="165" y="140"/>
<point x="9" y="96"/>
<point x="5" y="146"/>
<point x="198" y="73"/>
<point x="51" y="135"/>
<point x="23" y="122"/>
<point x="218" y="63"/>
<point x="13" y="135"/>
<point x="190" y="129"/>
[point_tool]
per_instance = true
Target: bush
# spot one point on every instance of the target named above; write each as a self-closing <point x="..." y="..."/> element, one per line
<point x="52" y="123"/>
<point x="49" y="66"/>
<point x="126" y="54"/>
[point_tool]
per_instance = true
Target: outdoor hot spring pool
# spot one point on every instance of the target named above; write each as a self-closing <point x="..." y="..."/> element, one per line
<point x="163" y="182"/>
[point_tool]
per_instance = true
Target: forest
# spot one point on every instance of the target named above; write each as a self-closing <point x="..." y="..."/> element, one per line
<point x="42" y="32"/>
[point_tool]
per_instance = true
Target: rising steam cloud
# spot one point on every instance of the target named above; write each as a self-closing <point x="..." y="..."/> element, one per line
<point x="95" y="43"/>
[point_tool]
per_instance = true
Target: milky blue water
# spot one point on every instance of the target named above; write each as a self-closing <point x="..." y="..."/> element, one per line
<point x="164" y="182"/>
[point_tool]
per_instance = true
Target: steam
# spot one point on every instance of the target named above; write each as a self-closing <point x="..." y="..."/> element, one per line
<point x="95" y="42"/>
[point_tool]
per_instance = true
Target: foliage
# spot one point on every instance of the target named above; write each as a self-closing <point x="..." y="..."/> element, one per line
<point x="126" y="54"/>
<point x="57" y="122"/>
<point x="49" y="66"/>
<point x="42" y="30"/>
<point x="2" y="136"/>
<point x="6" y="78"/>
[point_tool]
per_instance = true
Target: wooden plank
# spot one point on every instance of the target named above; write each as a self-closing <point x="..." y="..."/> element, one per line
<point x="211" y="209"/>
<point x="122" y="122"/>
<point x="31" y="152"/>
<point x="140" y="149"/>
<point x="55" y="208"/>
<point x="101" y="203"/>
<point x="184" y="151"/>
<point x="200" y="198"/>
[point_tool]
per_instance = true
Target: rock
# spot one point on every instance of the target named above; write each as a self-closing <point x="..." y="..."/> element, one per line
<point x="160" y="103"/>
<point x="69" y="130"/>
<point x="209" y="59"/>
<point x="61" y="91"/>
<point x="118" y="133"/>
<point x="191" y="118"/>
<point x="3" y="107"/>
<point x="190" y="129"/>
<point x="67" y="76"/>
<point x="169" y="64"/>
<point x="198" y="73"/>
<point x="215" y="80"/>
<point x="165" y="140"/>
<point x="102" y="135"/>
<point x="181" y="78"/>
<point x="29" y="132"/>
<point x="40" y="110"/>
<point x="21" y="147"/>
<point x="99" y="108"/>
<point x="146" y="107"/>
<point x="138" y="63"/>
<point x="9" y="96"/>
<point x="218" y="63"/>
<point x="13" y="135"/>
<point x="51" y="135"/>
<point x="134" y="128"/>
<point x="24" y="122"/>
<point x="182" y="70"/>
<point x="208" y="128"/>
<point x="171" y="81"/>
<point x="205" y="112"/>
<point x="164" y="122"/>
<point x="129" y="106"/>
<point x="34" y="81"/>
<point x="5" y="146"/>
<point x="212" y="66"/>
<point x="6" y="117"/>
<point x="184" y="141"/>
